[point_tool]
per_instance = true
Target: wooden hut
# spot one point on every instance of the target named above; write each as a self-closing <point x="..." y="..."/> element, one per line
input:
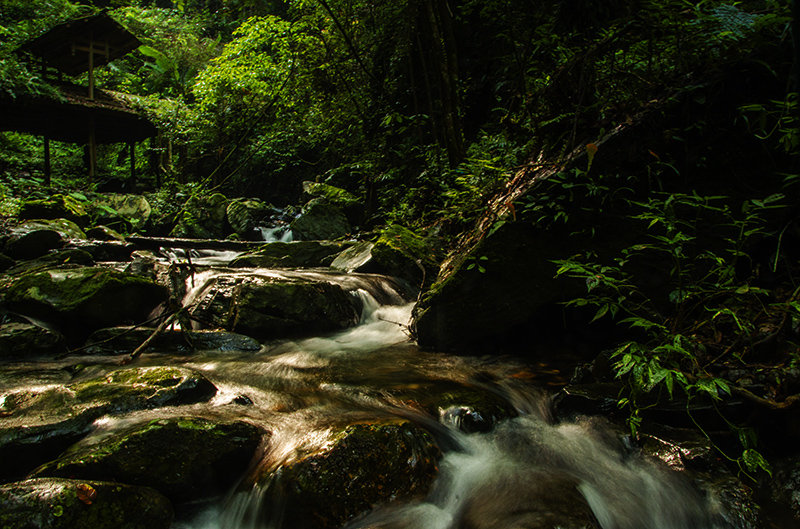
<point x="72" y="113"/>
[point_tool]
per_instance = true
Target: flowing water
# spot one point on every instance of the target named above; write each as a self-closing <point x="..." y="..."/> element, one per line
<point x="526" y="472"/>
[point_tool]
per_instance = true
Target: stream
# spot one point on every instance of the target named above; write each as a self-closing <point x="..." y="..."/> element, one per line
<point x="523" y="471"/>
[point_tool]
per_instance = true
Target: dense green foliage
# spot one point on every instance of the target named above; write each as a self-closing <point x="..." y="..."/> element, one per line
<point x="420" y="107"/>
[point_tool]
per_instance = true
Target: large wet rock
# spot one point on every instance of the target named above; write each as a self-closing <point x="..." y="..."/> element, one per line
<point x="69" y="504"/>
<point x="297" y="254"/>
<point x="56" y="207"/>
<point x="365" y="464"/>
<point x="351" y="205"/>
<point x="268" y="307"/>
<point x="320" y="220"/>
<point x="182" y="457"/>
<point x="245" y="214"/>
<point x="504" y="290"/>
<point x="203" y="218"/>
<point x="397" y="252"/>
<point x="70" y="257"/>
<point x="34" y="238"/>
<point x="83" y="299"/>
<point x="38" y="423"/>
<point x="125" y="340"/>
<point x="20" y="340"/>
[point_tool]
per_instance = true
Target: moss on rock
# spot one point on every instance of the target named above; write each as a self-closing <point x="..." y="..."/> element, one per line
<point x="37" y="424"/>
<point x="69" y="504"/>
<point x="364" y="465"/>
<point x="84" y="299"/>
<point x="274" y="308"/>
<point x="320" y="220"/>
<point x="182" y="457"/>
<point x="298" y="254"/>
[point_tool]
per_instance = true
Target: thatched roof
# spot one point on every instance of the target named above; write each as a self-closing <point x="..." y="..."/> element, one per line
<point x="70" y="117"/>
<point x="66" y="46"/>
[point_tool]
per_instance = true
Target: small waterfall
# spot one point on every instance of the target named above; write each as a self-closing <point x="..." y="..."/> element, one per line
<point x="276" y="234"/>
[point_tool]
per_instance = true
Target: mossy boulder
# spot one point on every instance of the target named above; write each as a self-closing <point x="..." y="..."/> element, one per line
<point x="203" y="218"/>
<point x="121" y="210"/>
<point x="320" y="220"/>
<point x="83" y="299"/>
<point x="35" y="238"/>
<point x="182" y="457"/>
<point x="52" y="503"/>
<point x="334" y="195"/>
<point x="397" y="252"/>
<point x="297" y="254"/>
<point x="351" y="205"/>
<point x="268" y="307"/>
<point x="126" y="339"/>
<point x="363" y="465"/>
<point x="37" y="424"/>
<point x="56" y="207"/>
<point x="20" y="340"/>
<point x="245" y="214"/>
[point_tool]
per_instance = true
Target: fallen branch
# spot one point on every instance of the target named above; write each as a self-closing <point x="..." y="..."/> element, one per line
<point x="160" y="329"/>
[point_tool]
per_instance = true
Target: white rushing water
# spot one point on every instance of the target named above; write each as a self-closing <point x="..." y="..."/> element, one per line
<point x="526" y="473"/>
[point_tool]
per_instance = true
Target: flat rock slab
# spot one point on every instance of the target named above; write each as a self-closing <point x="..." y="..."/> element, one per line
<point x="70" y="504"/>
<point x="125" y="340"/>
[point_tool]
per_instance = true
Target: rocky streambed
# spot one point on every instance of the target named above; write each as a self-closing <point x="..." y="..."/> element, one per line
<point x="287" y="392"/>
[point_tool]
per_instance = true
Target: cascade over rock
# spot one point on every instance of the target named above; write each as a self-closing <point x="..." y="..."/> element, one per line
<point x="54" y="503"/>
<point x="365" y="464"/>
<point x="181" y="457"/>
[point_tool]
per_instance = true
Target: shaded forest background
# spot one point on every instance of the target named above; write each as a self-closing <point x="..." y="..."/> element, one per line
<point x="423" y="108"/>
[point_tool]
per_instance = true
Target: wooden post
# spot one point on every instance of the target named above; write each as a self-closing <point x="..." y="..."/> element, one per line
<point x="47" y="161"/>
<point x="132" y="147"/>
